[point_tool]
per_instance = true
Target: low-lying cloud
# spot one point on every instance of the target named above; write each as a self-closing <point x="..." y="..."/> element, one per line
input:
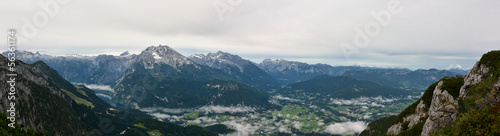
<point x="99" y="87"/>
<point x="161" y="116"/>
<point x="346" y="128"/>
<point x="242" y="129"/>
<point x="166" y="110"/>
<point x="279" y="97"/>
<point x="205" y="109"/>
<point x="225" y="109"/>
<point x="378" y="101"/>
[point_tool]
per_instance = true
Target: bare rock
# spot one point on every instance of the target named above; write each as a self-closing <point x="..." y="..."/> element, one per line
<point x="443" y="111"/>
<point x="476" y="75"/>
<point x="413" y="119"/>
<point x="395" y="129"/>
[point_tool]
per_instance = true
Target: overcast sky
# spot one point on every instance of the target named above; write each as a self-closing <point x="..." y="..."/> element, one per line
<point x="418" y="34"/>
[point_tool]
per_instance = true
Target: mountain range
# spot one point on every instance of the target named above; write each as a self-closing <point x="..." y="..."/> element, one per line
<point x="168" y="79"/>
<point x="420" y="78"/>
<point x="269" y="74"/>
<point x="152" y="73"/>
<point x="340" y="87"/>
<point x="240" y="69"/>
<point x="47" y="104"/>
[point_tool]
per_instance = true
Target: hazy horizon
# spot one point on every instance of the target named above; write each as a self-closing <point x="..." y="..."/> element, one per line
<point x="259" y="61"/>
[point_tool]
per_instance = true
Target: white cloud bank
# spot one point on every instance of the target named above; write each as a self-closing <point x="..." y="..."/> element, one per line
<point x="99" y="87"/>
<point x="346" y="128"/>
<point x="378" y="101"/>
<point x="225" y="109"/>
<point x="242" y="129"/>
<point x="279" y="97"/>
<point x="205" y="109"/>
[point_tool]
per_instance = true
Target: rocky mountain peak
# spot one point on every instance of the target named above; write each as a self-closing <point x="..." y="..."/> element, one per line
<point x="223" y="55"/>
<point x="276" y="61"/>
<point x="28" y="56"/>
<point x="197" y="56"/>
<point x="126" y="53"/>
<point x="280" y="65"/>
<point x="162" y="54"/>
<point x="220" y="60"/>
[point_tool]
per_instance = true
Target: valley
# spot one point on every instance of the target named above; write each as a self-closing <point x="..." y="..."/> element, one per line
<point x="304" y="115"/>
<point x="292" y="118"/>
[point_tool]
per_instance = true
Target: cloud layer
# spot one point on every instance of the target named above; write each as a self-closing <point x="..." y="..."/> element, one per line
<point x="368" y="101"/>
<point x="99" y="87"/>
<point x="346" y="128"/>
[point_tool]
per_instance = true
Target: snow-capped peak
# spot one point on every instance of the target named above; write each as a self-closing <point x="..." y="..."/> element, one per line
<point x="162" y="54"/>
<point x="156" y="56"/>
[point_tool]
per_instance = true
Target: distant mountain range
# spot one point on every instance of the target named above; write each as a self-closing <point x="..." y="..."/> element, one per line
<point x="342" y="87"/>
<point x="291" y="71"/>
<point x="48" y="104"/>
<point x="420" y="78"/>
<point x="267" y="75"/>
<point x="157" y="67"/>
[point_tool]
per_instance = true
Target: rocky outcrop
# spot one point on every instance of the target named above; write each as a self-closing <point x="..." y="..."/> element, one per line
<point x="450" y="96"/>
<point x="413" y="119"/>
<point x="442" y="112"/>
<point x="395" y="129"/>
<point x="476" y="75"/>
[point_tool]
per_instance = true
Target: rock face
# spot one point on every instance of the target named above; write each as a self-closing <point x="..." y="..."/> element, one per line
<point x="413" y="119"/>
<point x="476" y="75"/>
<point x="110" y="68"/>
<point x="442" y="112"/>
<point x="395" y="129"/>
<point x="444" y="108"/>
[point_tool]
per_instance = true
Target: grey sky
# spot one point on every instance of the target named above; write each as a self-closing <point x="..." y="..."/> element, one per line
<point x="424" y="34"/>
